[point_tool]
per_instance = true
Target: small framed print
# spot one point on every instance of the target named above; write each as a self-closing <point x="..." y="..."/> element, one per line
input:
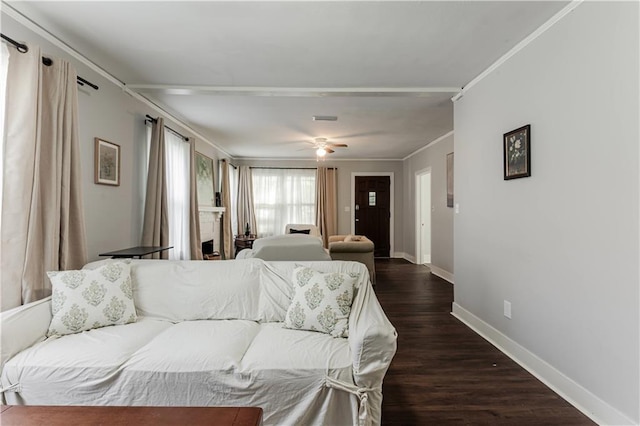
<point x="107" y="162"/>
<point x="517" y="153"/>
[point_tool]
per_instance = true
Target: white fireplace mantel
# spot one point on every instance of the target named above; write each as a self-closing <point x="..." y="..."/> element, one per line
<point x="217" y="211"/>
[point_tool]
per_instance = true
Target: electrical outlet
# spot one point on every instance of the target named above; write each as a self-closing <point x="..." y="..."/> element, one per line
<point x="507" y="309"/>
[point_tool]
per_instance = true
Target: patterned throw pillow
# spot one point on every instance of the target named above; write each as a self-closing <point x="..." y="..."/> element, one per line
<point x="321" y="301"/>
<point x="87" y="299"/>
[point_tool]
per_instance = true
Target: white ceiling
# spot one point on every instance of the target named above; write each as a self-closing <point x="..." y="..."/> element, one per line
<point x="317" y="50"/>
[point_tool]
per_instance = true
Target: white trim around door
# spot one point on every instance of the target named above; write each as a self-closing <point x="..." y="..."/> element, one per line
<point x="420" y="191"/>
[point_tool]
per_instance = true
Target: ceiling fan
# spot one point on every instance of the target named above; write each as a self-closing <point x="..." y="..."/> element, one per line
<point x="323" y="147"/>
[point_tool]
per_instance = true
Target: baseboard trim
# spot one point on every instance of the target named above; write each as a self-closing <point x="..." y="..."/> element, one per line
<point x="438" y="272"/>
<point x="589" y="404"/>
<point x="403" y="255"/>
<point x="410" y="258"/>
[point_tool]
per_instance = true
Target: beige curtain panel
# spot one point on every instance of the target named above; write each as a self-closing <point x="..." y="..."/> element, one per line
<point x="326" y="203"/>
<point x="194" y="213"/>
<point x="155" y="228"/>
<point x="42" y="214"/>
<point x="246" y="212"/>
<point x="227" y="231"/>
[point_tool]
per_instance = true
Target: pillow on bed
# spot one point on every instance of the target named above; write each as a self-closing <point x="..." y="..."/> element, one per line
<point x="299" y="231"/>
<point x="321" y="301"/>
<point x="87" y="299"/>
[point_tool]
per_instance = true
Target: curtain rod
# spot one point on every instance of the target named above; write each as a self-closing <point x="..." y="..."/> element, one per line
<point x="175" y="132"/>
<point x="23" y="48"/>
<point x="290" y="168"/>
<point x="224" y="160"/>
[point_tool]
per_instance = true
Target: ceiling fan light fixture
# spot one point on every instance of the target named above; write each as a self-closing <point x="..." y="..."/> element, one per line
<point x="325" y="118"/>
<point x="321" y="152"/>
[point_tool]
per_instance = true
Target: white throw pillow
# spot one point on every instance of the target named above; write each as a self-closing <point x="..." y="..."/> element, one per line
<point x="321" y="301"/>
<point x="87" y="299"/>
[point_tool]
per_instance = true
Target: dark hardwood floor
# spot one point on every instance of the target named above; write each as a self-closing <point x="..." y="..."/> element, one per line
<point x="443" y="372"/>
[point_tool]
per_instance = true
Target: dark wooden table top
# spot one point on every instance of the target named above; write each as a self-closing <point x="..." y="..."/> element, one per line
<point x="136" y="251"/>
<point x="27" y="415"/>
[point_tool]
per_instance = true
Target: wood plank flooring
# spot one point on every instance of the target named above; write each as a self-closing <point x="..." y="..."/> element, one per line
<point x="443" y="372"/>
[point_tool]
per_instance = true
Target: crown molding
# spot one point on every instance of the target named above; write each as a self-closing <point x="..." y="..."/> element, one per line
<point x="518" y="47"/>
<point x="430" y="144"/>
<point x="321" y="92"/>
<point x="8" y="10"/>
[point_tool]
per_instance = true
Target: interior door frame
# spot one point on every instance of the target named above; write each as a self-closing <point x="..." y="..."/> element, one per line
<point x="391" y="205"/>
<point x="418" y="198"/>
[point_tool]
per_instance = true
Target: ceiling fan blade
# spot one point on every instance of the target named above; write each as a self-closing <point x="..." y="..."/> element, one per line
<point x="329" y="150"/>
<point x="338" y="145"/>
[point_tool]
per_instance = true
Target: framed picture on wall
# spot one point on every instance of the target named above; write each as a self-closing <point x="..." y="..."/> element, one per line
<point x="107" y="162"/>
<point x="204" y="180"/>
<point x="517" y="153"/>
<point x="450" y="179"/>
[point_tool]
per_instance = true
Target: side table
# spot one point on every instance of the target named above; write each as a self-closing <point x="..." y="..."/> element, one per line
<point x="244" y="242"/>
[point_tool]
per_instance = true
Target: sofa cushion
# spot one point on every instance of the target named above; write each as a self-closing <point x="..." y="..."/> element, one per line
<point x="196" y="346"/>
<point x="278" y="348"/>
<point x="78" y="366"/>
<point x="321" y="301"/>
<point x="186" y="290"/>
<point x="87" y="299"/>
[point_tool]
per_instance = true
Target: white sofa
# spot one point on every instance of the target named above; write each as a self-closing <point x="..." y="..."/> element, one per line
<point x="208" y="334"/>
<point x="299" y="247"/>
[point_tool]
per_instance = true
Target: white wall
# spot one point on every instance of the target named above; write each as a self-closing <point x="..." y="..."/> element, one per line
<point x="113" y="215"/>
<point x="345" y="168"/>
<point x="434" y="157"/>
<point x="561" y="245"/>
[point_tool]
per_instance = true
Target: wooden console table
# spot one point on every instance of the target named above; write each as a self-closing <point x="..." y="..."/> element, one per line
<point x="135" y="252"/>
<point x="28" y="415"/>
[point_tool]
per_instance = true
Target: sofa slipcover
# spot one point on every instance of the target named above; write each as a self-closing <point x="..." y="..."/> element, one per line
<point x="209" y="334"/>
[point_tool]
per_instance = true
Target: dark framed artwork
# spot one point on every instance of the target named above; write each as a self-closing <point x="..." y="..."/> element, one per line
<point x="517" y="153"/>
<point x="450" y="179"/>
<point x="107" y="162"/>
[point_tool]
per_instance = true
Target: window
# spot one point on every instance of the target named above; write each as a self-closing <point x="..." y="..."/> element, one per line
<point x="282" y="196"/>
<point x="177" y="164"/>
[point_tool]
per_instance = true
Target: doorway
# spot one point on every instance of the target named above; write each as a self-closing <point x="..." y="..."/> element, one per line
<point x="423" y="216"/>
<point x="372" y="209"/>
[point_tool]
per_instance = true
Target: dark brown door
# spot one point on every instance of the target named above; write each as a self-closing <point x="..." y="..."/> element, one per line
<point x="373" y="199"/>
